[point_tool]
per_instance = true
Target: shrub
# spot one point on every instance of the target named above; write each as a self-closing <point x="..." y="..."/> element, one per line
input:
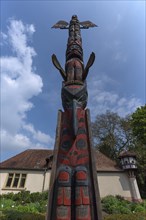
<point x="2" y="216"/>
<point x="6" y="203"/>
<point x="16" y="215"/>
<point x="7" y="196"/>
<point x="123" y="210"/>
<point x="117" y="205"/>
<point x="23" y="196"/>
<point x="139" y="208"/>
<point x="135" y="216"/>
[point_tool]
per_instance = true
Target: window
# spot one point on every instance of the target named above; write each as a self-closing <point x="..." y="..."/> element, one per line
<point x="16" y="180"/>
<point x="22" y="181"/>
<point x="10" y="178"/>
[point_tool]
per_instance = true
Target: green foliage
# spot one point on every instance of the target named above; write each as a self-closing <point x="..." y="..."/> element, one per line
<point x="16" y="215"/>
<point x="138" y="122"/>
<point x="12" y="207"/>
<point x="111" y="134"/>
<point x="24" y="197"/>
<point x="133" y="216"/>
<point x="6" y="203"/>
<point x="24" y="202"/>
<point x="117" y="205"/>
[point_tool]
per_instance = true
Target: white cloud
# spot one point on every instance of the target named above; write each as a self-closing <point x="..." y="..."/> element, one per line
<point x="3" y="38"/>
<point x="11" y="142"/>
<point x="19" y="83"/>
<point x="38" y="135"/>
<point x="101" y="100"/>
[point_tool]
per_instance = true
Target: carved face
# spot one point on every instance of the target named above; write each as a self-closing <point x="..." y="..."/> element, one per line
<point x="74" y="92"/>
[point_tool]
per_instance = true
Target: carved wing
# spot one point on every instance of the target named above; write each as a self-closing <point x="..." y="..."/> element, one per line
<point x="87" y="24"/>
<point x="89" y="64"/>
<point x="58" y="66"/>
<point x="60" y="24"/>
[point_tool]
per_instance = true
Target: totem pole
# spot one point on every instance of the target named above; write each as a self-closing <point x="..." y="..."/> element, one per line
<point x="73" y="192"/>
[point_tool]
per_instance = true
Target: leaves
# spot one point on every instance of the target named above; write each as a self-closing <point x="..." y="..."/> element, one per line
<point x="111" y="134"/>
<point x="117" y="205"/>
<point x="138" y="123"/>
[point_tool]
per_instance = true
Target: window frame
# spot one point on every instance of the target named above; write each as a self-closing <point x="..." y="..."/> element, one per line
<point x="14" y="177"/>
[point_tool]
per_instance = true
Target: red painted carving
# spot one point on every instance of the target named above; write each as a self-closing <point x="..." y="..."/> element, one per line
<point x="63" y="213"/>
<point x="72" y="155"/>
<point x="63" y="176"/>
<point x="83" y="212"/>
<point x="64" y="196"/>
<point x="78" y="196"/>
<point x="81" y="175"/>
<point x="85" y="195"/>
<point x="60" y="196"/>
<point x="82" y="196"/>
<point x="67" y="195"/>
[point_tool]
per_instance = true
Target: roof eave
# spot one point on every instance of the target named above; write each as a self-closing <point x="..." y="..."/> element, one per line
<point x="24" y="169"/>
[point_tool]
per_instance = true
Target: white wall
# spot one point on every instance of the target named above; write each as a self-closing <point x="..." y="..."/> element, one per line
<point x="40" y="180"/>
<point x="110" y="183"/>
<point x="114" y="183"/>
<point x="3" y="178"/>
<point x="134" y="189"/>
<point x="34" y="181"/>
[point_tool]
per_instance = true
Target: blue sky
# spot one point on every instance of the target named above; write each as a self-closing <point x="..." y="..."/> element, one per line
<point x="30" y="84"/>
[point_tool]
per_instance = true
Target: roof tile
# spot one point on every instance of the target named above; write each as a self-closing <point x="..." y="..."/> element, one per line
<point x="37" y="159"/>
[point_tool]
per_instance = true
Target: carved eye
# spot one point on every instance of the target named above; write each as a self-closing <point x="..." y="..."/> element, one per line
<point x="81" y="144"/>
<point x="66" y="145"/>
<point x="65" y="131"/>
<point x="81" y="131"/>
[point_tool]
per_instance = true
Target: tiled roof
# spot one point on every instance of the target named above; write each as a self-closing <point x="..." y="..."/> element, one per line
<point x="104" y="163"/>
<point x="127" y="154"/>
<point x="29" y="159"/>
<point x="36" y="159"/>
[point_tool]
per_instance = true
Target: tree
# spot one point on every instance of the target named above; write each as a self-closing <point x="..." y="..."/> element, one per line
<point x="138" y="124"/>
<point x="112" y="134"/>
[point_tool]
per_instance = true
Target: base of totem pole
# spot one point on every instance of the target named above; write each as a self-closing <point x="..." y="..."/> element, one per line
<point x="73" y="191"/>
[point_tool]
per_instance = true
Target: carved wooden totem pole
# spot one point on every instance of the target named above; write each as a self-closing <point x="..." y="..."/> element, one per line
<point x="73" y="192"/>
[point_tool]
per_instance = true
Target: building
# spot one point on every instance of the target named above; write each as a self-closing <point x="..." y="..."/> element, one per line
<point x="31" y="169"/>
